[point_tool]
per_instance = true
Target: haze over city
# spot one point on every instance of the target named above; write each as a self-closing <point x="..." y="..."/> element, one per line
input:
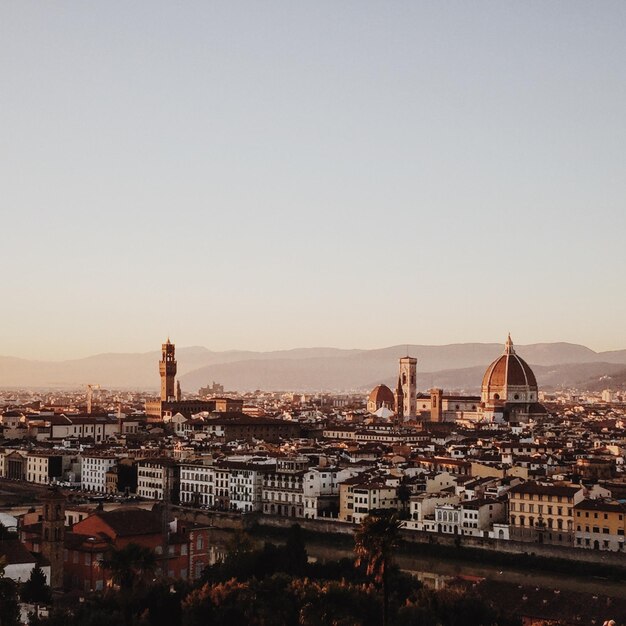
<point x="278" y="175"/>
<point x="313" y="313"/>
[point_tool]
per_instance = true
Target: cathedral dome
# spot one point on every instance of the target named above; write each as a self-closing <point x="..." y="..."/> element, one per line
<point x="380" y="396"/>
<point x="509" y="379"/>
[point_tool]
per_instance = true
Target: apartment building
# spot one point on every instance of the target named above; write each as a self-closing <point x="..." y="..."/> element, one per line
<point x="543" y="512"/>
<point x="283" y="488"/>
<point x="197" y="484"/>
<point x="245" y="484"/>
<point x="93" y="475"/>
<point x="361" y="495"/>
<point x="600" y="524"/>
<point x="43" y="467"/>
<point x="155" y="475"/>
<point x="422" y="509"/>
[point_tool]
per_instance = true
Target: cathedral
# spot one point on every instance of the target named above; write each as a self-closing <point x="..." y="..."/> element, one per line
<point x="509" y="393"/>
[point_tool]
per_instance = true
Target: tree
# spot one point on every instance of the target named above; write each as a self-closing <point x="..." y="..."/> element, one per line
<point x="9" y="607"/>
<point x="5" y="533"/>
<point x="130" y="568"/>
<point x="35" y="590"/>
<point x="374" y="544"/>
<point x="295" y="551"/>
<point x="404" y="495"/>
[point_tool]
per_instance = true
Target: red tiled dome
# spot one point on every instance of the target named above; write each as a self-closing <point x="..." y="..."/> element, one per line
<point x="380" y="394"/>
<point x="509" y="370"/>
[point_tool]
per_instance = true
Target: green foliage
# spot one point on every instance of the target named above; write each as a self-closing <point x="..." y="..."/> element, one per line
<point x="295" y="551"/>
<point x="35" y="590"/>
<point x="5" y="533"/>
<point x="453" y="606"/>
<point x="243" y="562"/>
<point x="130" y="566"/>
<point x="374" y="543"/>
<point x="276" y="586"/>
<point x="9" y="606"/>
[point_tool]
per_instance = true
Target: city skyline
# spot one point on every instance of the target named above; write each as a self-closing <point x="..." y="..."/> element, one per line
<point x="267" y="177"/>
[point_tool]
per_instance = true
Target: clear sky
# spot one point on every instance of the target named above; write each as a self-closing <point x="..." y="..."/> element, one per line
<point x="267" y="175"/>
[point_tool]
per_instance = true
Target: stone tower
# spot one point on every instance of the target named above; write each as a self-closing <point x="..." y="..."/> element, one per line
<point x="52" y="534"/>
<point x="436" y="400"/>
<point x="408" y="371"/>
<point x="167" y="369"/>
<point x="399" y="399"/>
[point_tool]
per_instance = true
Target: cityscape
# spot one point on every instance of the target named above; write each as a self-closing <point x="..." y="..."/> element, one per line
<point x="514" y="470"/>
<point x="312" y="313"/>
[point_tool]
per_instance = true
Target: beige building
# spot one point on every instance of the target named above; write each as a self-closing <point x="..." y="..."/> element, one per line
<point x="543" y="512"/>
<point x="600" y="524"/>
<point x="361" y="495"/>
<point x="43" y="467"/>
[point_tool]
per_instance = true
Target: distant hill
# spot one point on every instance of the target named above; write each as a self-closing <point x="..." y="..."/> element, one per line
<point x="454" y="366"/>
<point x="615" y="381"/>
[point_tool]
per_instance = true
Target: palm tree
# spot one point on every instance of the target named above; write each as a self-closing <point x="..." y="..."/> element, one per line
<point x="374" y="542"/>
<point x="130" y="567"/>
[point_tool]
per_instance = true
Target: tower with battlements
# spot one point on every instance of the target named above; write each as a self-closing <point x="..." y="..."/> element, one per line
<point x="167" y="369"/>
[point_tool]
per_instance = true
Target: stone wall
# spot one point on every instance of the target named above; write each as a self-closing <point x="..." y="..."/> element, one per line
<point x="236" y="521"/>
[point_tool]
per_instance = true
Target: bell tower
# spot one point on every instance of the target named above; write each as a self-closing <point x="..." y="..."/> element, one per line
<point x="52" y="534"/>
<point x="167" y="369"/>
<point x="408" y="372"/>
<point x="399" y="400"/>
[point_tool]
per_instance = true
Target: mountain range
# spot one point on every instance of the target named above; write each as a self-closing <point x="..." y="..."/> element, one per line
<point x="454" y="367"/>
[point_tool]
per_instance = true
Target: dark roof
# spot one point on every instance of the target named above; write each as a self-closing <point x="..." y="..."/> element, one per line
<point x="14" y="552"/>
<point x="74" y="541"/>
<point x="237" y="418"/>
<point x="127" y="522"/>
<point x="601" y="504"/>
<point x="551" y="490"/>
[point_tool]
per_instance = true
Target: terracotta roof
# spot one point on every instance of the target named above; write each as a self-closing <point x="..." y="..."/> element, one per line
<point x="381" y="393"/>
<point x="509" y="369"/>
<point x="127" y="522"/>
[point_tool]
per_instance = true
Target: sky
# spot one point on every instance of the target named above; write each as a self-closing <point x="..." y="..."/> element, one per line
<point x="279" y="174"/>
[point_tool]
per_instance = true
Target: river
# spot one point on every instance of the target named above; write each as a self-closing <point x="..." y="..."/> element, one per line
<point x="436" y="572"/>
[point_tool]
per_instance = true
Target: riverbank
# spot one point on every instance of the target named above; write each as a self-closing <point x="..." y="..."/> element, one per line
<point x="437" y="570"/>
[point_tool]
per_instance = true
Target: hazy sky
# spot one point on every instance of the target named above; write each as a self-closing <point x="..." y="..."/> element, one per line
<point x="267" y="175"/>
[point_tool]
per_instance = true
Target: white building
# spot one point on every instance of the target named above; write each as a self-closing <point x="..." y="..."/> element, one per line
<point x="154" y="475"/>
<point x="283" y="491"/>
<point x="94" y="469"/>
<point x="245" y="486"/>
<point x="422" y="509"/>
<point x="197" y="483"/>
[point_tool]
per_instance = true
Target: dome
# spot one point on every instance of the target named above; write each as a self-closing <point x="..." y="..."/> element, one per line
<point x="381" y="394"/>
<point x="509" y="378"/>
